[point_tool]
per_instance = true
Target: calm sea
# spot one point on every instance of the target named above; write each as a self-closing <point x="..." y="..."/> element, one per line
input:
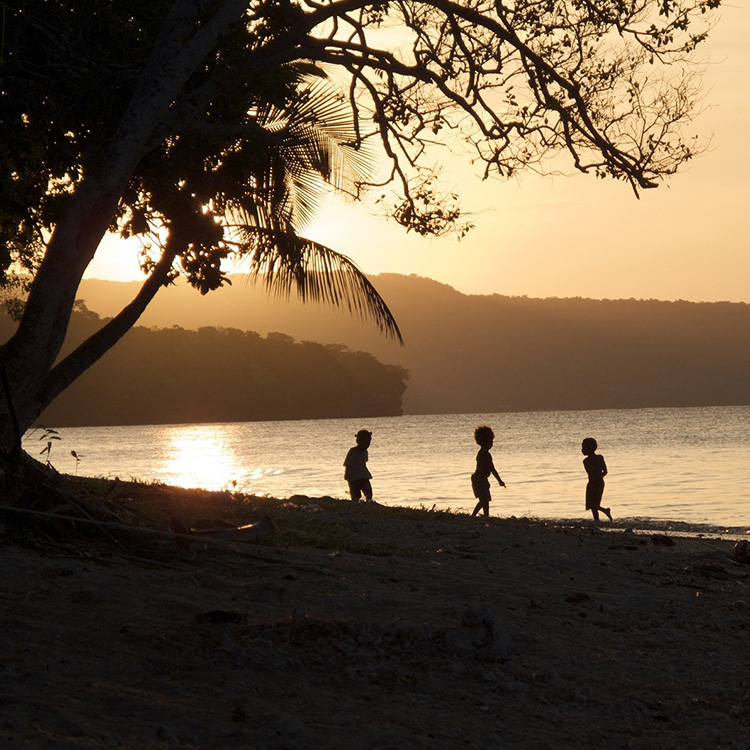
<point x="685" y="469"/>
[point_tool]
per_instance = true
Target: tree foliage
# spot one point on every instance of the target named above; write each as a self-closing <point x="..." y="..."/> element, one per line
<point x="173" y="375"/>
<point x="208" y="129"/>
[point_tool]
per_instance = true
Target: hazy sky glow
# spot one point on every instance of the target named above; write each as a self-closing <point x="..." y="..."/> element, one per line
<point x="579" y="236"/>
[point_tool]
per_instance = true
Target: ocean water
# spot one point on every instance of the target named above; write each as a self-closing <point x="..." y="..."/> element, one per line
<point x="681" y="469"/>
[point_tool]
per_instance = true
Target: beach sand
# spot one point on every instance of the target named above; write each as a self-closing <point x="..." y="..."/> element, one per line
<point x="360" y="626"/>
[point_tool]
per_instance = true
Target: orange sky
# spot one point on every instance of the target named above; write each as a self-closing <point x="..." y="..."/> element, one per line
<point x="579" y="236"/>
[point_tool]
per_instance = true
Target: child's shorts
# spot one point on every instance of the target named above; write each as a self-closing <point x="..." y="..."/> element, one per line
<point x="594" y="493"/>
<point x="481" y="487"/>
<point x="359" y="487"/>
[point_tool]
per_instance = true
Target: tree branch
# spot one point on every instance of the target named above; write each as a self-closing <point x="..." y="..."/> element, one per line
<point x="91" y="350"/>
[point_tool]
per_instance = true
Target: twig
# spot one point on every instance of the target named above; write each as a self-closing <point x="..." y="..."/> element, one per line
<point x="228" y="544"/>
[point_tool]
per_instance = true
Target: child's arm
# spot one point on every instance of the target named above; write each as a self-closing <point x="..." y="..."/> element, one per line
<point x="497" y="476"/>
<point x="604" y="467"/>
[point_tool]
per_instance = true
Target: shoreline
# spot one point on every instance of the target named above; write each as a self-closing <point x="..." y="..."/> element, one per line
<point x="360" y="625"/>
<point x="429" y="460"/>
<point x="638" y="525"/>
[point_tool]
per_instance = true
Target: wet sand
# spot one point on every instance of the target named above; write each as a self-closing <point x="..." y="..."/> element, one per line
<point x="359" y="626"/>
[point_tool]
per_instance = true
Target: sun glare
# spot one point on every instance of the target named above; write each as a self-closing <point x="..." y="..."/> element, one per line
<point x="197" y="456"/>
<point x="204" y="455"/>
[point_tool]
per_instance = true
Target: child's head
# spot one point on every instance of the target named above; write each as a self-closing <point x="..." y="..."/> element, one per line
<point x="363" y="438"/>
<point x="588" y="446"/>
<point x="484" y="436"/>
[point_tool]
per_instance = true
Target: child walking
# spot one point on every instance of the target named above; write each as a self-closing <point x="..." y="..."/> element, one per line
<point x="480" y="479"/>
<point x="596" y="469"/>
<point x="356" y="471"/>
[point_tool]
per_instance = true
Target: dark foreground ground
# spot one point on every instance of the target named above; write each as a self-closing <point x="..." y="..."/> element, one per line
<point x="359" y="626"/>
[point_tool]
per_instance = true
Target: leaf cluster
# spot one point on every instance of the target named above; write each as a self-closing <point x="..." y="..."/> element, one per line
<point x="238" y="161"/>
<point x="67" y="72"/>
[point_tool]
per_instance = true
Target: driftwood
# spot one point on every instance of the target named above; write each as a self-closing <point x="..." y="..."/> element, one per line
<point x="262" y="528"/>
<point x="221" y="536"/>
<point x="49" y="501"/>
<point x="38" y="497"/>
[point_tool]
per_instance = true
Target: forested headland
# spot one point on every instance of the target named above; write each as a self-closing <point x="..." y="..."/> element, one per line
<point x="215" y="374"/>
<point x="488" y="353"/>
<point x="463" y="353"/>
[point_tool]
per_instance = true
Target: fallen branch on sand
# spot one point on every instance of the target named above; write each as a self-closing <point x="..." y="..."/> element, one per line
<point x="251" y="532"/>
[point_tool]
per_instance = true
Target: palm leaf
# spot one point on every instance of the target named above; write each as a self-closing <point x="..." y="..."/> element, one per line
<point x="284" y="262"/>
<point x="315" y="149"/>
<point x="312" y="147"/>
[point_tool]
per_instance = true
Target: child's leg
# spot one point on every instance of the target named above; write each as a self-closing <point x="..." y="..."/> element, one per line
<point x="601" y="507"/>
<point x="481" y="505"/>
<point x="598" y="504"/>
<point x="367" y="489"/>
<point x="355" y="491"/>
<point x="604" y="510"/>
<point x="594" y="494"/>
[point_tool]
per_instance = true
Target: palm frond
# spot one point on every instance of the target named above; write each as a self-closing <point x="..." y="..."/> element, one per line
<point x="313" y="146"/>
<point x="323" y="107"/>
<point x="283" y="262"/>
<point x="316" y="148"/>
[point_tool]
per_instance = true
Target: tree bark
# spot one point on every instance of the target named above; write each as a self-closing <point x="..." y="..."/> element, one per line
<point x="30" y="353"/>
<point x="29" y="356"/>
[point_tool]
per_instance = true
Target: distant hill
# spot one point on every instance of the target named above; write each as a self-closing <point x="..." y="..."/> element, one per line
<point x="478" y="353"/>
<point x="174" y="375"/>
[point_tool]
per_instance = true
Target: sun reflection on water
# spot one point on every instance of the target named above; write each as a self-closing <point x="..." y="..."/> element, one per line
<point x="206" y="456"/>
<point x="197" y="456"/>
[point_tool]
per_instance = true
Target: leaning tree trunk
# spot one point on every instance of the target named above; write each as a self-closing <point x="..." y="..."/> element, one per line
<point x="29" y="356"/>
<point x="30" y="353"/>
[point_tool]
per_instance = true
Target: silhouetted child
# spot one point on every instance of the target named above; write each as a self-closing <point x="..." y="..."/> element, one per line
<point x="356" y="472"/>
<point x="596" y="470"/>
<point x="480" y="479"/>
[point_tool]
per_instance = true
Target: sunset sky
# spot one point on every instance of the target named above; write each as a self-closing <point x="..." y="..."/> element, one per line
<point x="579" y="236"/>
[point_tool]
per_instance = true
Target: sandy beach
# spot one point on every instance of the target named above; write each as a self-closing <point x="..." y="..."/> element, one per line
<point x="361" y="626"/>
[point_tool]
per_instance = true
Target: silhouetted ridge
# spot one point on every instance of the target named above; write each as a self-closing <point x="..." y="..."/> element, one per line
<point x="487" y="353"/>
